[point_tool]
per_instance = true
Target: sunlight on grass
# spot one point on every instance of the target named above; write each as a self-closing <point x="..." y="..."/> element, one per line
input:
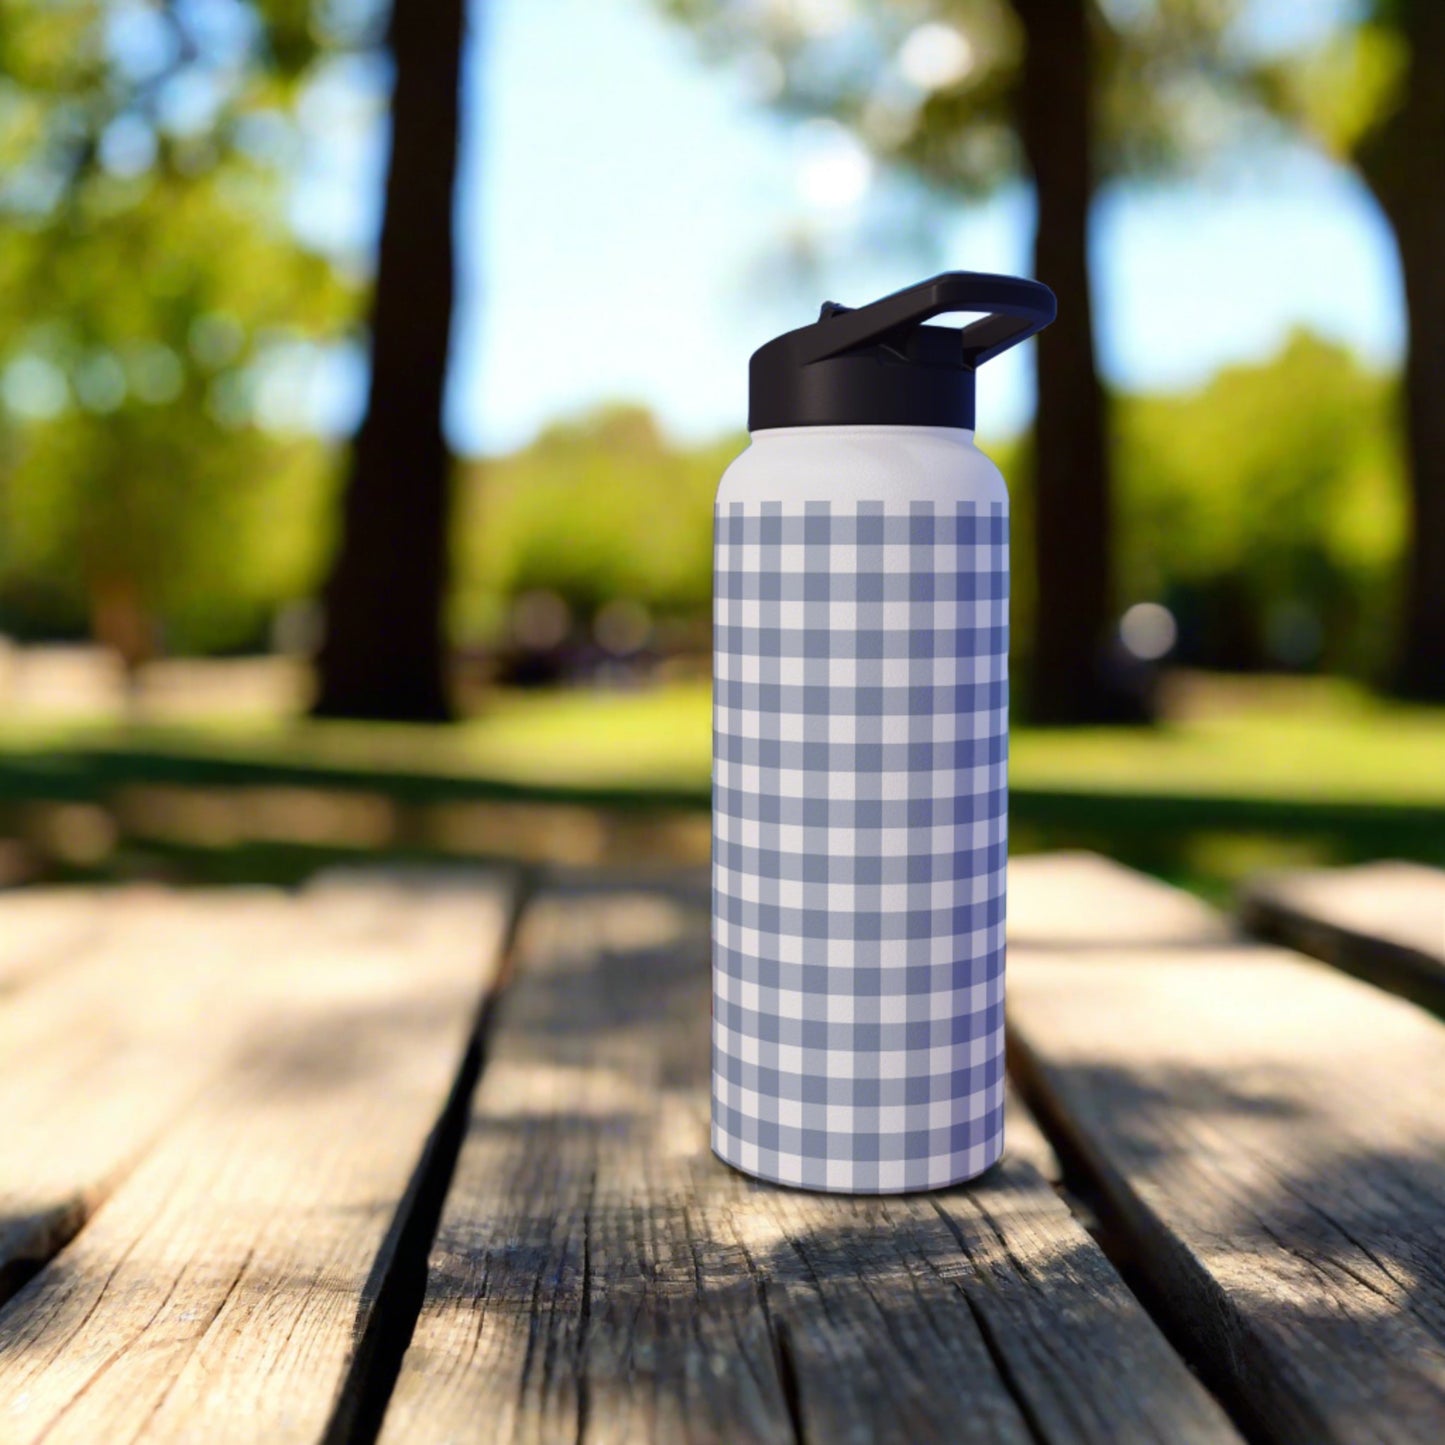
<point x="1331" y="744"/>
<point x="1272" y="739"/>
<point x="657" y="737"/>
<point x="1374" y="753"/>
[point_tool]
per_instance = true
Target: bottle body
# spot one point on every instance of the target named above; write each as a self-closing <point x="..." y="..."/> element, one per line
<point x="860" y="739"/>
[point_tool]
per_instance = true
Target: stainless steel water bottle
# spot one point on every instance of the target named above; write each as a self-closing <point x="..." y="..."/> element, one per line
<point x="860" y="750"/>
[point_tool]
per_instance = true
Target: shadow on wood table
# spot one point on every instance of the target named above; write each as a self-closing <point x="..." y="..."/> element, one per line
<point x="358" y="1162"/>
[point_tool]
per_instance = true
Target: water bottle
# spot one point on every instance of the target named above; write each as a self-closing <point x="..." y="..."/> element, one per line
<point x="860" y="750"/>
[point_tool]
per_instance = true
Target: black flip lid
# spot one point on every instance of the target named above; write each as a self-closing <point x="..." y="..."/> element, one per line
<point x="880" y="365"/>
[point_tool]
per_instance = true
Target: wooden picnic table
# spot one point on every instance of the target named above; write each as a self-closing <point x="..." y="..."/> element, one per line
<point x="424" y="1157"/>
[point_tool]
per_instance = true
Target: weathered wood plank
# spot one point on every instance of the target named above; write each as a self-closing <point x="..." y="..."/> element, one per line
<point x="97" y="1056"/>
<point x="1269" y="1140"/>
<point x="1382" y="921"/>
<point x="1078" y="900"/>
<point x="40" y="927"/>
<point x="221" y="1289"/>
<point x="599" y="1276"/>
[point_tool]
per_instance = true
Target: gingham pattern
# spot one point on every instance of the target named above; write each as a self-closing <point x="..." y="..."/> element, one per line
<point x="860" y="745"/>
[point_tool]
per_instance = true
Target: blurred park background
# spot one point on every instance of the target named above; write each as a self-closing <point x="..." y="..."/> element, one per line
<point x="365" y="379"/>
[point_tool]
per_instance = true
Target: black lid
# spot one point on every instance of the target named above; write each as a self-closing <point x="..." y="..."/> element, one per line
<point x="880" y="366"/>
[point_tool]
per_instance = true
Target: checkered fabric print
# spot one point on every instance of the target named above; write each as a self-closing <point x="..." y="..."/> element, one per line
<point x="860" y="812"/>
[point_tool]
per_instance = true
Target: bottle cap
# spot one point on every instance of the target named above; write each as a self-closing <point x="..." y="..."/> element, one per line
<point x="879" y="365"/>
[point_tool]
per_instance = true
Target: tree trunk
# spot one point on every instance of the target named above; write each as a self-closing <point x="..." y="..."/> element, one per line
<point x="1072" y="679"/>
<point x="121" y="621"/>
<point x="384" y="653"/>
<point x="1403" y="170"/>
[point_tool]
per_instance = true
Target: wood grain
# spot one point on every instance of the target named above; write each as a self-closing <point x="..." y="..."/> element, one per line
<point x="97" y="1056"/>
<point x="44" y="927"/>
<point x="220" y="1289"/>
<point x="599" y="1276"/>
<point x="1080" y="900"/>
<point x="1269" y="1140"/>
<point x="1382" y="921"/>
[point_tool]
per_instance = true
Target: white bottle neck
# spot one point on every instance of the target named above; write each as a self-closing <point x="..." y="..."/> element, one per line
<point x="963" y="435"/>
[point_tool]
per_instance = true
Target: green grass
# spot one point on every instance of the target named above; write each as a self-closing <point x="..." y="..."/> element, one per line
<point x="1324" y="745"/>
<point x="658" y="739"/>
<point x="1244" y="775"/>
<point x="1296" y="741"/>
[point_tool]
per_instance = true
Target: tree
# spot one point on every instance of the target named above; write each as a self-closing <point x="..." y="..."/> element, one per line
<point x="616" y="478"/>
<point x="969" y="95"/>
<point x="1073" y="513"/>
<point x="384" y="653"/>
<point x="1372" y="96"/>
<point x="1265" y="508"/>
<point x="150" y="291"/>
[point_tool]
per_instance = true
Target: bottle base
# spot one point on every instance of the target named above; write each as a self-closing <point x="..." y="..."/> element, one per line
<point x="871" y="1177"/>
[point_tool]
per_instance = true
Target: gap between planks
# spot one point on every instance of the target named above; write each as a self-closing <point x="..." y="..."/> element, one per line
<point x="371" y="1377"/>
<point x="599" y="1276"/>
<point x="1264" y="1138"/>
<point x="1384" y="922"/>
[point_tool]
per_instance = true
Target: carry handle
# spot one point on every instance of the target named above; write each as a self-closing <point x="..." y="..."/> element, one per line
<point x="1014" y="310"/>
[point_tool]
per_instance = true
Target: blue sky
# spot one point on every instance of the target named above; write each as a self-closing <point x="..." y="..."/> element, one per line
<point x="624" y="210"/>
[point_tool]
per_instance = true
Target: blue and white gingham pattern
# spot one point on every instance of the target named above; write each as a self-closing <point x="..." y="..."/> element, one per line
<point x="860" y="808"/>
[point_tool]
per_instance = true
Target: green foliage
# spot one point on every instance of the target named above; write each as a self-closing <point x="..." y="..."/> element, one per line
<point x="1340" y="92"/>
<point x="929" y="85"/>
<point x="595" y="509"/>
<point x="1271" y="498"/>
<point x="157" y="315"/>
<point x="1277" y="486"/>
